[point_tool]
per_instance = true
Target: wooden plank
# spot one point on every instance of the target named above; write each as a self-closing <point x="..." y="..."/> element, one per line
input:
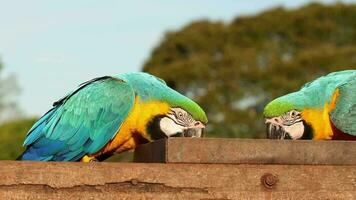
<point x="39" y="180"/>
<point x="247" y="151"/>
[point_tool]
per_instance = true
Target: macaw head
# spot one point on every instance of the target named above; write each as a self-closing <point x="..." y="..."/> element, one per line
<point x="175" y="114"/>
<point x="179" y="123"/>
<point x="284" y="120"/>
<point x="184" y="118"/>
<point x="285" y="115"/>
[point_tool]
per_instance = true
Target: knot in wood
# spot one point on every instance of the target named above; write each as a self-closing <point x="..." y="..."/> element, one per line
<point x="269" y="180"/>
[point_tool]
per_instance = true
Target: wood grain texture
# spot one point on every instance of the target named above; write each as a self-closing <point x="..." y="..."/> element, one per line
<point x="39" y="180"/>
<point x="247" y="151"/>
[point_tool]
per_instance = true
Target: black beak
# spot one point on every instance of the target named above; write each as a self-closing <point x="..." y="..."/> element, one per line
<point x="276" y="132"/>
<point x="191" y="132"/>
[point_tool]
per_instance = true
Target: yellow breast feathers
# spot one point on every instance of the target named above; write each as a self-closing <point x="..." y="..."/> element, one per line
<point x="320" y="120"/>
<point x="136" y="122"/>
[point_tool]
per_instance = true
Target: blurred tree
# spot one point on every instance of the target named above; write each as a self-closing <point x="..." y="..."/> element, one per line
<point x="12" y="134"/>
<point x="8" y="91"/>
<point x="234" y="69"/>
<point x="12" y="128"/>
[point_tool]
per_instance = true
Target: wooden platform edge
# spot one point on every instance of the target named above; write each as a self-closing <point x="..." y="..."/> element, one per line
<point x="39" y="180"/>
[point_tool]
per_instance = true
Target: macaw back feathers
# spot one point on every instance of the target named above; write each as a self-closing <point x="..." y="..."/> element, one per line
<point x="81" y="86"/>
<point x="85" y="120"/>
<point x="82" y="122"/>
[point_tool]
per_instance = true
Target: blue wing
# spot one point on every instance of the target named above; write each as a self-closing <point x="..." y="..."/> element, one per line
<point x="81" y="123"/>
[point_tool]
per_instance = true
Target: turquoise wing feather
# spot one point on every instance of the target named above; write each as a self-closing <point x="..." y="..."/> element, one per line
<point x="82" y="122"/>
<point x="344" y="114"/>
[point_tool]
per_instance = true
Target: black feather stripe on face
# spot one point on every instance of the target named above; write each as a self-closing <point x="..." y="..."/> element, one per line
<point x="153" y="128"/>
<point x="308" y="132"/>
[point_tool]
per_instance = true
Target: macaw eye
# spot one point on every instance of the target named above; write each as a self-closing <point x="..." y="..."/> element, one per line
<point x="180" y="114"/>
<point x="293" y="114"/>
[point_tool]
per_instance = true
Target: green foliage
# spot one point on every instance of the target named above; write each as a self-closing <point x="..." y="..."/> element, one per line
<point x="12" y="132"/>
<point x="232" y="70"/>
<point x="12" y="135"/>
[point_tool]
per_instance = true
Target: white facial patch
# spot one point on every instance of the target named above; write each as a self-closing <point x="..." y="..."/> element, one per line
<point x="169" y="127"/>
<point x="289" y="123"/>
<point x="295" y="131"/>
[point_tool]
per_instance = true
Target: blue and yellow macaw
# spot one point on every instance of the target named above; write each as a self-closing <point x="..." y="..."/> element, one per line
<point x="322" y="109"/>
<point x="110" y="115"/>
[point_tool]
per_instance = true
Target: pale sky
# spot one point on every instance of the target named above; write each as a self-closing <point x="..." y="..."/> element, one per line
<point x="53" y="46"/>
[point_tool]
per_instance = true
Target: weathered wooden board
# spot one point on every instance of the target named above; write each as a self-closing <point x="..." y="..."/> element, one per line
<point x="36" y="180"/>
<point x="247" y="151"/>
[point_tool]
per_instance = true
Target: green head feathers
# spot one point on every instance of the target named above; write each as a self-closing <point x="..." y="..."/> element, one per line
<point x="312" y="95"/>
<point x="149" y="87"/>
<point x="278" y="106"/>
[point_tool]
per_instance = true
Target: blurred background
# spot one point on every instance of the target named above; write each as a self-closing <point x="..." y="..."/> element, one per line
<point x="232" y="57"/>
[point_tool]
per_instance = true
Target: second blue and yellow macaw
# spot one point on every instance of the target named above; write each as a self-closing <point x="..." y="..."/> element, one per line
<point x="324" y="109"/>
<point x="110" y="115"/>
